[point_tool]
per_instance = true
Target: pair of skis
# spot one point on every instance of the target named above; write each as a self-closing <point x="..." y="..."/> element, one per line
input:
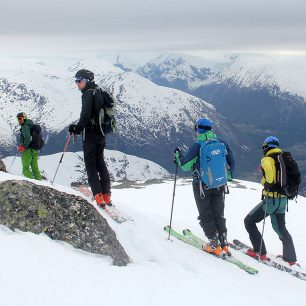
<point x="111" y="211"/>
<point x="272" y="261"/>
<point x="190" y="238"/>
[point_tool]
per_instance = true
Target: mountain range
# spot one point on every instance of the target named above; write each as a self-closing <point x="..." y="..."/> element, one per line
<point x="150" y="118"/>
<point x="259" y="95"/>
<point x="248" y="97"/>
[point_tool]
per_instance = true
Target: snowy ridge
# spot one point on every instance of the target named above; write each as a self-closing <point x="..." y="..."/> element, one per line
<point x="45" y="90"/>
<point x="177" y="68"/>
<point x="174" y="271"/>
<point x="285" y="73"/>
<point x="72" y="169"/>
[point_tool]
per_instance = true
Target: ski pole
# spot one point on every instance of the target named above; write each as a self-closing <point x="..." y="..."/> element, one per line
<point x="264" y="222"/>
<point x="65" y="148"/>
<point x="9" y="170"/>
<point x="173" y="198"/>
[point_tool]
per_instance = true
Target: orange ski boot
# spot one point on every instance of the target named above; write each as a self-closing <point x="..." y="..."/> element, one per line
<point x="100" y="200"/>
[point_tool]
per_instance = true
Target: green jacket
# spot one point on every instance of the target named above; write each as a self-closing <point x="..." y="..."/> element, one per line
<point x="191" y="160"/>
<point x="25" y="133"/>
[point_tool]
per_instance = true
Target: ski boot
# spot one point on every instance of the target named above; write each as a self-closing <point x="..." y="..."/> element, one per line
<point x="107" y="199"/>
<point x="224" y="244"/>
<point x="252" y="253"/>
<point x="213" y="246"/>
<point x="293" y="264"/>
<point x="100" y="200"/>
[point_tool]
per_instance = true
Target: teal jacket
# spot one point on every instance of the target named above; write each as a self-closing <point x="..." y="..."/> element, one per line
<point x="25" y="133"/>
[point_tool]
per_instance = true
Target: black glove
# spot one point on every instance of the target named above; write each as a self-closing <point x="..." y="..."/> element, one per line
<point x="177" y="150"/>
<point x="177" y="154"/>
<point x="74" y="129"/>
<point x="77" y="130"/>
<point x="71" y="128"/>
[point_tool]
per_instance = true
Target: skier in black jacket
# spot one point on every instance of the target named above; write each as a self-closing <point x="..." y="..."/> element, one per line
<point x="93" y="140"/>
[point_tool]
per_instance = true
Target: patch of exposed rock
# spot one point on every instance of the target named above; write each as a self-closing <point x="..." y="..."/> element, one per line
<point x="39" y="209"/>
<point x="2" y="166"/>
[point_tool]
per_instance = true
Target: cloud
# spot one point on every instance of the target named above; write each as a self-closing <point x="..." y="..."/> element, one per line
<point x="141" y="24"/>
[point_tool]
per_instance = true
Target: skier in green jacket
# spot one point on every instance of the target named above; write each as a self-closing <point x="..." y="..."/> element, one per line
<point x="29" y="156"/>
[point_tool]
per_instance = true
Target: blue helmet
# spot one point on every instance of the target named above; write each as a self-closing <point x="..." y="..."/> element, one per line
<point x="203" y="125"/>
<point x="271" y="142"/>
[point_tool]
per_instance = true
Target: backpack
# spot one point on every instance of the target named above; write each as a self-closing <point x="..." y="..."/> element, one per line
<point x="104" y="111"/>
<point x="37" y="141"/>
<point x="288" y="177"/>
<point x="213" y="164"/>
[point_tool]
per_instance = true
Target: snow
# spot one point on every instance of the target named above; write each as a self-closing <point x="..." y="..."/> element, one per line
<point x="38" y="271"/>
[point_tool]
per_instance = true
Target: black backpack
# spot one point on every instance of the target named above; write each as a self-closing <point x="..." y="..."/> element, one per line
<point x="288" y="177"/>
<point x="104" y="111"/>
<point x="37" y="141"/>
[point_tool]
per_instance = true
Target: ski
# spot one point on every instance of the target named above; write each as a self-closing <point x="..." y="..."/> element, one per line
<point x="189" y="238"/>
<point x="111" y="211"/>
<point x="242" y="247"/>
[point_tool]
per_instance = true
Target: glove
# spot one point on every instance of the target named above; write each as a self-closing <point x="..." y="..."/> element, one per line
<point x="21" y="148"/>
<point x="71" y="128"/>
<point x="177" y="150"/>
<point x="177" y="154"/>
<point x="77" y="130"/>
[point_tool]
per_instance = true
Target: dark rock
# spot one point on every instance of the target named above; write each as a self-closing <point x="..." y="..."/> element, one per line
<point x="2" y="166"/>
<point x="39" y="209"/>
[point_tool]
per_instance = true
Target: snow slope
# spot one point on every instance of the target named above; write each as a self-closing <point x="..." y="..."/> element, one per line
<point x="38" y="271"/>
<point x="72" y="169"/>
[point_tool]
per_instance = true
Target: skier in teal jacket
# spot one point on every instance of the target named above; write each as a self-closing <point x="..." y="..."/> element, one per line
<point x="29" y="156"/>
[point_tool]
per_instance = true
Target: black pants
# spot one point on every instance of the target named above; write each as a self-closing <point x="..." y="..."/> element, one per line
<point x="276" y="209"/>
<point x="211" y="210"/>
<point x="98" y="175"/>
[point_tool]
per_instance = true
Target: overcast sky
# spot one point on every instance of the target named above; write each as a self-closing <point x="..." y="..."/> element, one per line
<point x="176" y="25"/>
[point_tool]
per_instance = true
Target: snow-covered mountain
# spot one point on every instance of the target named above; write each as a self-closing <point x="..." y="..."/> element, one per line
<point x="258" y="94"/>
<point x="179" y="71"/>
<point x="72" y="169"/>
<point x="163" y="272"/>
<point x="188" y="73"/>
<point x="149" y="117"/>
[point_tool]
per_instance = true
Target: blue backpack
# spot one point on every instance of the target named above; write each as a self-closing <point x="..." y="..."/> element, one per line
<point x="213" y="164"/>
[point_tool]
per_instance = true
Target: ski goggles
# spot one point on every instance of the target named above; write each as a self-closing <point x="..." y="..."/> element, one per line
<point x="79" y="80"/>
<point x="20" y="118"/>
<point x="272" y="144"/>
<point x="202" y="127"/>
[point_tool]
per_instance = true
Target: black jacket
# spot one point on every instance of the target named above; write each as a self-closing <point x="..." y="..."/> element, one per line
<point x="87" y="107"/>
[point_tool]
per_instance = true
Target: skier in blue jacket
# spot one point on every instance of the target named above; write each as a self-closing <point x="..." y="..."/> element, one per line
<point x="210" y="202"/>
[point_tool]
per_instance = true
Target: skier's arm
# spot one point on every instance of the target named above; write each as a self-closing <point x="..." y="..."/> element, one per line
<point x="26" y="135"/>
<point x="230" y="158"/>
<point x="186" y="163"/>
<point x="87" y="109"/>
<point x="267" y="164"/>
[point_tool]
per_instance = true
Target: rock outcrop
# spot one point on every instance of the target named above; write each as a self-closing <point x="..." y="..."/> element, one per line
<point x="39" y="209"/>
<point x="2" y="166"/>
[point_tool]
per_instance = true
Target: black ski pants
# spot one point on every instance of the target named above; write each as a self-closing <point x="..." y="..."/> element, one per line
<point x="276" y="209"/>
<point x="211" y="210"/>
<point x="98" y="175"/>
